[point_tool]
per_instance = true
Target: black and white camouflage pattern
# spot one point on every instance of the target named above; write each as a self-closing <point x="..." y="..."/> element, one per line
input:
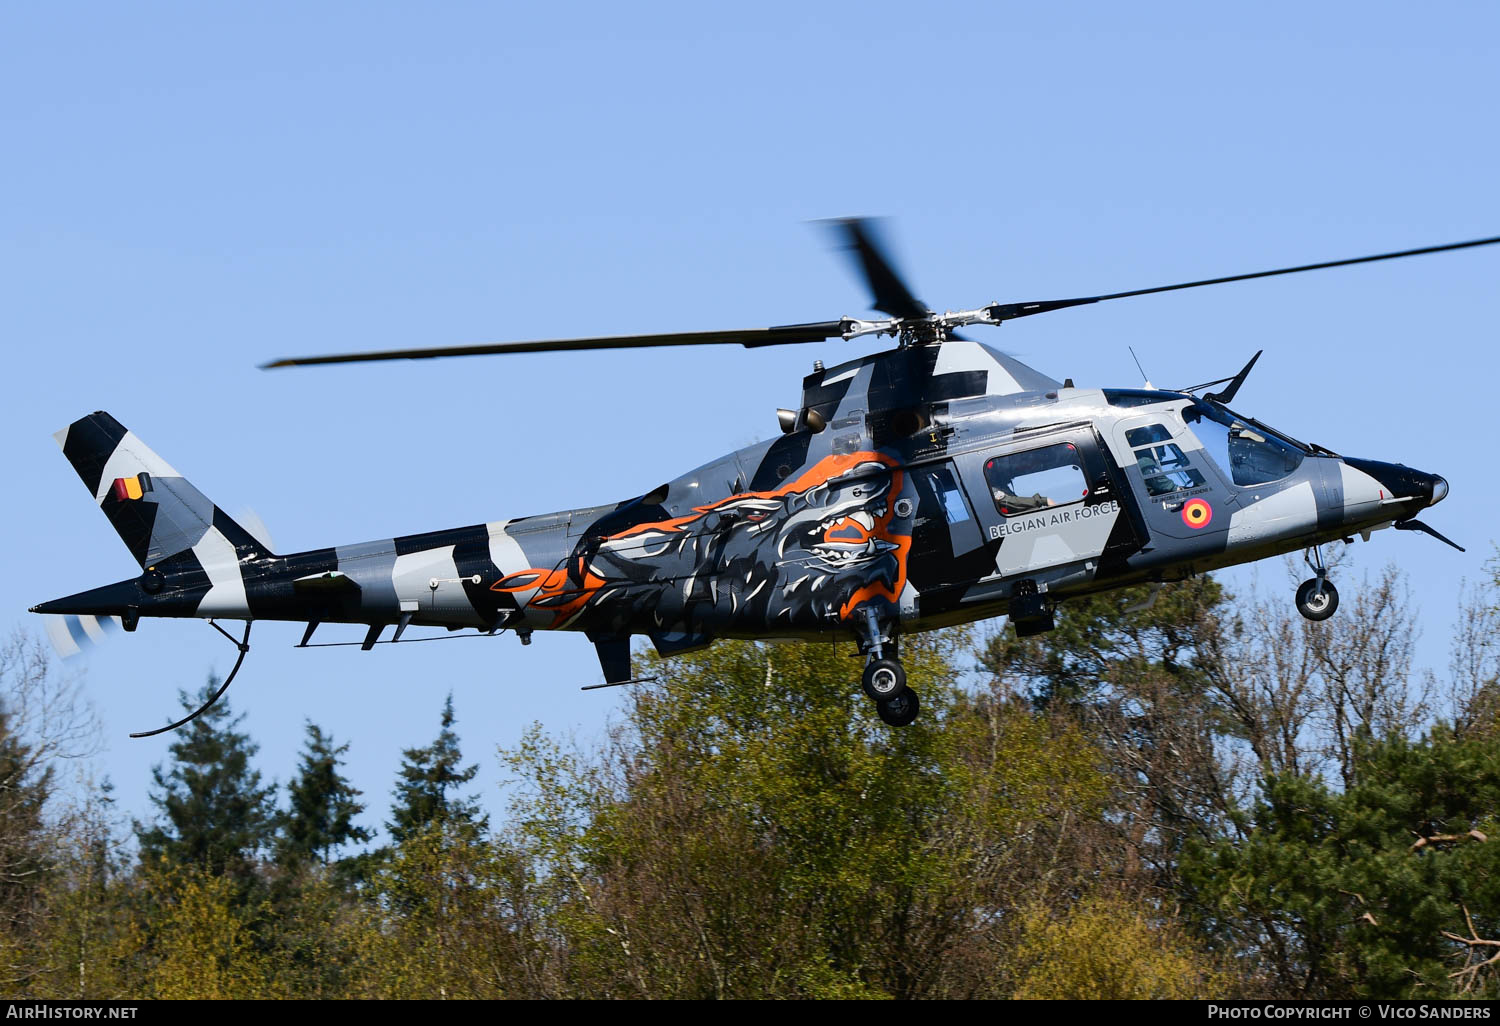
<point x="795" y="537"/>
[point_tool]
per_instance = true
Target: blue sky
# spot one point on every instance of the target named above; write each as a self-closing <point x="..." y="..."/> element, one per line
<point x="193" y="189"/>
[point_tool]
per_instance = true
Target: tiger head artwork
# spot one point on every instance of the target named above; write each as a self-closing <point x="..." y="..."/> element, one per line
<point x="801" y="556"/>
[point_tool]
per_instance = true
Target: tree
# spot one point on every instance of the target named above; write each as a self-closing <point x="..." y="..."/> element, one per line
<point x="213" y="812"/>
<point x="1109" y="949"/>
<point x="425" y="794"/>
<point x="43" y="723"/>
<point x="85" y="904"/>
<point x="1473" y="692"/>
<point x="752" y="829"/>
<point x="322" y="806"/>
<point x="455" y="918"/>
<point x="1387" y="889"/>
<point x="26" y="784"/>
<point x="1136" y="670"/>
<point x="198" y="941"/>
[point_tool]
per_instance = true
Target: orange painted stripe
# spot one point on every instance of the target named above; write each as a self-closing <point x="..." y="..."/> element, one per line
<point x="132" y="488"/>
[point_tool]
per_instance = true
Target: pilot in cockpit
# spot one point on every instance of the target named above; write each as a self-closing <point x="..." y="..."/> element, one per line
<point x="1003" y="488"/>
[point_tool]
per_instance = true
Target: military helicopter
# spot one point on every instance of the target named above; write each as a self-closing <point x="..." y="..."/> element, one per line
<point x="937" y="483"/>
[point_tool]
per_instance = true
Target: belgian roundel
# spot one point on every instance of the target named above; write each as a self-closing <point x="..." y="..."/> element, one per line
<point x="1197" y="514"/>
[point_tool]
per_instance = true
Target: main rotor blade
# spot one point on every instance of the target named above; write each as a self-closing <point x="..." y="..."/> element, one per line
<point x="858" y="236"/>
<point x="785" y="334"/>
<point x="1007" y="311"/>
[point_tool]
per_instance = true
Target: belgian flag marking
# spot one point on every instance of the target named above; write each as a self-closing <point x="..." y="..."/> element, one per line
<point x="1197" y="514"/>
<point x="128" y="488"/>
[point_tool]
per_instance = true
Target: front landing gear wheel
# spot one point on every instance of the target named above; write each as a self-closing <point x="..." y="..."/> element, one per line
<point x="900" y="710"/>
<point x="1315" y="604"/>
<point x="883" y="679"/>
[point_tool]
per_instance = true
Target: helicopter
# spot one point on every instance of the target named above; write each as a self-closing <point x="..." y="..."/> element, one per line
<point x="936" y="483"/>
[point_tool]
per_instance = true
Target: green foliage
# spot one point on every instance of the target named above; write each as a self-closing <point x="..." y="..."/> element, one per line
<point x="1137" y="667"/>
<point x="26" y="784"/>
<point x="455" y="916"/>
<point x="321" y="806"/>
<point x="754" y="830"/>
<point x="1114" y="638"/>
<point x="197" y="939"/>
<point x="425" y="795"/>
<point x="1186" y="800"/>
<point x="1374" y="891"/>
<point x="1108" y="949"/>
<point x="84" y="898"/>
<point x="28" y="780"/>
<point x="214" y="813"/>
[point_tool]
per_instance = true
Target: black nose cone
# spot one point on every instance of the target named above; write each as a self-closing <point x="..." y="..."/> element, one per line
<point x="1404" y="482"/>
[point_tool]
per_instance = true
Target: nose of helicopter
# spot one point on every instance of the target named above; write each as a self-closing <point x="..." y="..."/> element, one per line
<point x="1401" y="485"/>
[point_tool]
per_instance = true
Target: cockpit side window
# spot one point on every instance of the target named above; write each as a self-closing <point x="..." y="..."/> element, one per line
<point x="1024" y="482"/>
<point x="1163" y="466"/>
<point x="1252" y="455"/>
<point x="944" y="489"/>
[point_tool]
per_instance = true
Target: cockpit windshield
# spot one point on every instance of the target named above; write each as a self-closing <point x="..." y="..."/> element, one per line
<point x="1252" y="453"/>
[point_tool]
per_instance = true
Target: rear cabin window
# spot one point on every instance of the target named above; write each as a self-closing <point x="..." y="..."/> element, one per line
<point x="1024" y="482"/>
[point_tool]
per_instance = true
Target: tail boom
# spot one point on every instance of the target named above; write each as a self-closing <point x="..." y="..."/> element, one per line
<point x="442" y="578"/>
<point x="198" y="562"/>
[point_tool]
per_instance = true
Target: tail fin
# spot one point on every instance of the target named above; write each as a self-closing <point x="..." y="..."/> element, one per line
<point x="155" y="510"/>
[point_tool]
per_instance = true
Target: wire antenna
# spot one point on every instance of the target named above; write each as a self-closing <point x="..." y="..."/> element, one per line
<point x="1138" y="367"/>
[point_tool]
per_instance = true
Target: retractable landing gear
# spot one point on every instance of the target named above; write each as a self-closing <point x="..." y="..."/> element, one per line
<point x="901" y="710"/>
<point x="1317" y="598"/>
<point x="884" y="679"/>
<point x="1030" y="611"/>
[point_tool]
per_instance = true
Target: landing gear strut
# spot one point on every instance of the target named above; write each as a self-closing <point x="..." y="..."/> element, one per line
<point x="884" y="679"/>
<point x="1317" y="598"/>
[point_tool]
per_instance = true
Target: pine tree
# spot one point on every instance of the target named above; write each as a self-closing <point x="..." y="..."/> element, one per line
<point x="429" y="777"/>
<point x="214" y="813"/>
<point x="322" y="805"/>
<point x="1389" y="889"/>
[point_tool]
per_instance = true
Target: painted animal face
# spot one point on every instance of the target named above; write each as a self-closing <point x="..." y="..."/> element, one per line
<point x="803" y="555"/>
<point x="844" y="524"/>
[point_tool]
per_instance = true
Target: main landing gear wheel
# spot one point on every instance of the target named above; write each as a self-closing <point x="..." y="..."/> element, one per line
<point x="1316" y="604"/>
<point x="883" y="679"/>
<point x="900" y="710"/>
